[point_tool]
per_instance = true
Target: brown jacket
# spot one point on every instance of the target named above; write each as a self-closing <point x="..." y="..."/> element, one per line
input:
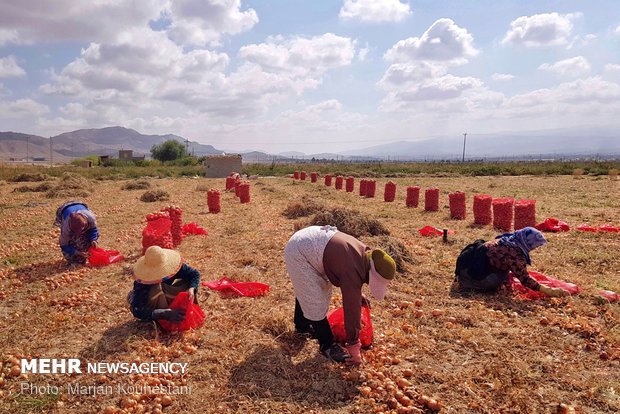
<point x="344" y="260"/>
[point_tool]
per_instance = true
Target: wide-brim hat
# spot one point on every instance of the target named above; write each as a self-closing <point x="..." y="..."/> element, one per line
<point x="157" y="265"/>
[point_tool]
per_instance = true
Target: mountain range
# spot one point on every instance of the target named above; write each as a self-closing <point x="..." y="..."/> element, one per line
<point x="602" y="143"/>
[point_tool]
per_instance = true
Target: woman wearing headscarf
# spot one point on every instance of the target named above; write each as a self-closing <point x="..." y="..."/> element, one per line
<point x="319" y="257"/>
<point x="78" y="231"/>
<point x="159" y="276"/>
<point x="484" y="266"/>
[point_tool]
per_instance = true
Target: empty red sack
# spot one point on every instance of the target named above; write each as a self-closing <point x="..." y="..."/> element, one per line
<point x="413" y="196"/>
<point x="194" y="316"/>
<point x="608" y="295"/>
<point x="482" y="209"/>
<point x="238" y="288"/>
<point x="529" y="294"/>
<point x="328" y="180"/>
<point x="552" y="224"/>
<point x="585" y="227"/>
<point x="336" y="322"/>
<point x="350" y="184"/>
<point x="433" y="231"/>
<point x="458" y="208"/>
<point x="431" y="199"/>
<point x="502" y="213"/>
<point x="390" y="192"/>
<point x="607" y="227"/>
<point x="103" y="257"/>
<point x="193" y="228"/>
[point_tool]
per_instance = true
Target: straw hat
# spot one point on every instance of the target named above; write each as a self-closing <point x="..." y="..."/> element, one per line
<point x="157" y="265"/>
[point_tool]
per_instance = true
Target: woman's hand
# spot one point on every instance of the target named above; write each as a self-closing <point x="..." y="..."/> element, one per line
<point x="190" y="291"/>
<point x="94" y="244"/>
<point x="553" y="292"/>
<point x="365" y="301"/>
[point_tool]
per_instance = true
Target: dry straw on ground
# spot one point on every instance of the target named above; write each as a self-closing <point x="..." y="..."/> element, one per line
<point x="137" y="185"/>
<point x="155" y="195"/>
<point x="479" y="354"/>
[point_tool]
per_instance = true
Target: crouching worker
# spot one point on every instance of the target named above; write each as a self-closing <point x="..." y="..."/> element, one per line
<point x="319" y="257"/>
<point x="484" y="266"/>
<point x="78" y="231"/>
<point x="160" y="275"/>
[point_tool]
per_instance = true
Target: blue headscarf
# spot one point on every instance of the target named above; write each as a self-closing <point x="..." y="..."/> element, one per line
<point x="526" y="239"/>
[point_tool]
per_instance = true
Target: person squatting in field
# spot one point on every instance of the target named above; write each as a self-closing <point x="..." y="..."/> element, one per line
<point x="159" y="276"/>
<point x="78" y="231"/>
<point x="319" y="257"/>
<point x="484" y="266"/>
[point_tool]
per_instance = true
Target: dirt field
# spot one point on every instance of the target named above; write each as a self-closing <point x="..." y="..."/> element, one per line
<point x="481" y="354"/>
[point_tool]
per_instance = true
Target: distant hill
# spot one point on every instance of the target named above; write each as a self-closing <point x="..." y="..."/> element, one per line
<point x="103" y="141"/>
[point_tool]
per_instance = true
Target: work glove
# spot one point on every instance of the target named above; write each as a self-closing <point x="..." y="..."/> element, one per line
<point x="553" y="292"/>
<point x="365" y="301"/>
<point x="355" y="351"/>
<point x="172" y="315"/>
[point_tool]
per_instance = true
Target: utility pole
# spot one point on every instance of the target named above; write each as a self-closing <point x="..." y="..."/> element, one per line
<point x="464" y="141"/>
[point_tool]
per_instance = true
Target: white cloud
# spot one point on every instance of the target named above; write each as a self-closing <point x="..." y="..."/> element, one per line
<point x="579" y="92"/>
<point x="22" y="108"/>
<point x="444" y="41"/>
<point x="612" y="68"/>
<point x="9" y="68"/>
<point x="617" y="31"/>
<point x="502" y="77"/>
<point x="375" y="11"/>
<point x="547" y="29"/>
<point x="200" y="22"/>
<point x="31" y="21"/>
<point x="573" y="67"/>
<point x="405" y="73"/>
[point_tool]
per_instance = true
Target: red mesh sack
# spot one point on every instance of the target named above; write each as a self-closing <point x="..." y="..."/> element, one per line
<point x="552" y="224"/>
<point x="585" y="227"/>
<point x="226" y="286"/>
<point x="157" y="231"/>
<point x="371" y="188"/>
<point x="607" y="227"/>
<point x="336" y="322"/>
<point x="529" y="294"/>
<point x="350" y="184"/>
<point x="433" y="231"/>
<point x="502" y="213"/>
<point x="230" y="183"/>
<point x="244" y="192"/>
<point x="431" y="199"/>
<point x="313" y="177"/>
<point x="482" y="209"/>
<point x="607" y="295"/>
<point x="363" y="186"/>
<point x="390" y="192"/>
<point x="525" y="214"/>
<point x="328" y="180"/>
<point x="194" y="316"/>
<point x="458" y="207"/>
<point x="296" y="175"/>
<point x="213" y="201"/>
<point x="413" y="196"/>
<point x="302" y="175"/>
<point x="237" y="184"/>
<point x="176" y="225"/>
<point x="193" y="228"/>
<point x="339" y="181"/>
<point x="103" y="257"/>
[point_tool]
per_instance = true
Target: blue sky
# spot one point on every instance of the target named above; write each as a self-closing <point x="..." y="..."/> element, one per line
<point x="310" y="76"/>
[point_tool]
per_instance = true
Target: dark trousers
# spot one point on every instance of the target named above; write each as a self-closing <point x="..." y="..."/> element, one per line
<point x="490" y="283"/>
<point x="322" y="330"/>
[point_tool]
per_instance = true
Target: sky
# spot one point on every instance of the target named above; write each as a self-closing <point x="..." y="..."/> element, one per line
<point x="311" y="76"/>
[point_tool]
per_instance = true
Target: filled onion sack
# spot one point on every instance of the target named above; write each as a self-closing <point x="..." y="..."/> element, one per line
<point x="194" y="316"/>
<point x="336" y="322"/>
<point x="389" y="193"/>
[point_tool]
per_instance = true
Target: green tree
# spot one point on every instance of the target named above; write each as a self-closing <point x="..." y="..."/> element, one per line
<point x="168" y="151"/>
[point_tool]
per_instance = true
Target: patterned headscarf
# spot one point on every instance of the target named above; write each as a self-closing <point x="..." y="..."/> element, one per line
<point x="526" y="239"/>
<point x="77" y="223"/>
